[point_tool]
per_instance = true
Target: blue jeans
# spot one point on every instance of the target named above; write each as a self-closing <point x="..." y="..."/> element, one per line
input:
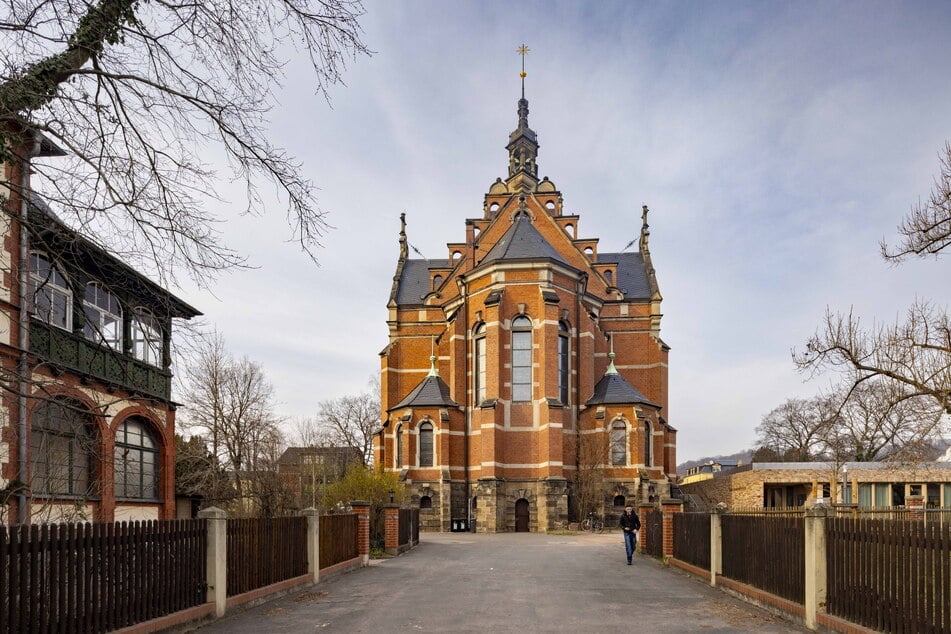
<point x="630" y="543"/>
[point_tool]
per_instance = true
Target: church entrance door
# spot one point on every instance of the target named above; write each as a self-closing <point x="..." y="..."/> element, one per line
<point x="521" y="516"/>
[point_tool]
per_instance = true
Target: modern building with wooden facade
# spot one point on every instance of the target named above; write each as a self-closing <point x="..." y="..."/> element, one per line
<point x="525" y="379"/>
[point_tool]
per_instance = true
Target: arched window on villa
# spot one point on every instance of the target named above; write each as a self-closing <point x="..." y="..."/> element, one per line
<point x="479" y="359"/>
<point x="136" y="461"/>
<point x="426" y="445"/>
<point x="103" y="316"/>
<point x="63" y="450"/>
<point x="521" y="358"/>
<point x="618" y="443"/>
<point x="49" y="293"/>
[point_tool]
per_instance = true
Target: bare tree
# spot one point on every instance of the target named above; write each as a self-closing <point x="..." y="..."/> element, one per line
<point x="351" y="421"/>
<point x="230" y="405"/>
<point x="588" y="483"/>
<point x="926" y="230"/>
<point x="914" y="352"/>
<point x="795" y="431"/>
<point x="140" y="94"/>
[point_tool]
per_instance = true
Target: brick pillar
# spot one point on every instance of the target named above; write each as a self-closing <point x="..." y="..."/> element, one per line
<point x="216" y="557"/>
<point x="362" y="511"/>
<point x="642" y="510"/>
<point x="916" y="507"/>
<point x="668" y="507"/>
<point x="391" y="521"/>
<point x="815" y="551"/>
<point x="313" y="542"/>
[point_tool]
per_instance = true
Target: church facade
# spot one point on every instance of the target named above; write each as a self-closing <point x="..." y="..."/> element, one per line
<point x="524" y="384"/>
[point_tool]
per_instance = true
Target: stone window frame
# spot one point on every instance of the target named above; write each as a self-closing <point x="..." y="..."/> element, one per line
<point x="426" y="425"/>
<point x="648" y="443"/>
<point x="618" y="442"/>
<point x="398" y="451"/>
<point x="479" y="362"/>
<point x="564" y="362"/>
<point x="521" y="327"/>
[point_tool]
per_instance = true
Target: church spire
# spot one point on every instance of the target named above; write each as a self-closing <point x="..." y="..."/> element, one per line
<point x="523" y="144"/>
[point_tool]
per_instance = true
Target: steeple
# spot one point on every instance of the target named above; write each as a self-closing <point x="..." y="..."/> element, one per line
<point x="523" y="144"/>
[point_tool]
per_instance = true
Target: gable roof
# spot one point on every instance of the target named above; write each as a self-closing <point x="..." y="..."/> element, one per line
<point x="522" y="241"/>
<point x="432" y="392"/>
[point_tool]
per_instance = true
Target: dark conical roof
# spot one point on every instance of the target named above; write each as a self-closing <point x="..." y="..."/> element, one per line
<point x="522" y="242"/>
<point x="432" y="392"/>
<point x="613" y="389"/>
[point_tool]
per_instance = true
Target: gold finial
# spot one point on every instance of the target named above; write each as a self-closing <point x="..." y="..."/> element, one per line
<point x="523" y="51"/>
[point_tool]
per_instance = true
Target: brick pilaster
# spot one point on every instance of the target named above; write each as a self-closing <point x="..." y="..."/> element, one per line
<point x="916" y="507"/>
<point x="362" y="511"/>
<point x="391" y="522"/>
<point x="670" y="506"/>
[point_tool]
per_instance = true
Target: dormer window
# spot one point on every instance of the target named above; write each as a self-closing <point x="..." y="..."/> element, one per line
<point x="147" y="340"/>
<point x="103" y="316"/>
<point x="437" y="281"/>
<point x="49" y="293"/>
<point x="609" y="276"/>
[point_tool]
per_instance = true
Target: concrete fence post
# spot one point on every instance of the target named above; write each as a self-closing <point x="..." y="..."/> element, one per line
<point x="669" y="507"/>
<point x="391" y="522"/>
<point x="815" y="547"/>
<point x="362" y="511"/>
<point x="716" y="544"/>
<point x="313" y="542"/>
<point x="217" y="557"/>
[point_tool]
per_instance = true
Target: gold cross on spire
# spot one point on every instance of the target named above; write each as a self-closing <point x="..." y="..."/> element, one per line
<point x="523" y="51"/>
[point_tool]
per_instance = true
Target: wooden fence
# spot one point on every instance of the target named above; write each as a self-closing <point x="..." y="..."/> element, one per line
<point x="262" y="551"/>
<point x="409" y="527"/>
<point x="766" y="553"/>
<point x="654" y="544"/>
<point x="99" y="577"/>
<point x="893" y="576"/>
<point x="338" y="539"/>
<point x="692" y="538"/>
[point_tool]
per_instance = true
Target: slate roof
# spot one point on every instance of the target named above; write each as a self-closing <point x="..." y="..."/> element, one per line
<point x="415" y="281"/>
<point x="613" y="389"/>
<point x="631" y="274"/>
<point x="522" y="241"/>
<point x="432" y="392"/>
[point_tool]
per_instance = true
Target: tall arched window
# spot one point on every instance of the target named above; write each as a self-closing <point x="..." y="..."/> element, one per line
<point x="618" y="443"/>
<point x="609" y="276"/>
<point x="426" y="445"/>
<point x="648" y="444"/>
<point x="62" y="449"/>
<point x="136" y="461"/>
<point x="147" y="341"/>
<point x="399" y="447"/>
<point x="103" y="316"/>
<point x="521" y="358"/>
<point x="479" y="370"/>
<point x="564" y="366"/>
<point x="49" y="292"/>
<point x="437" y="281"/>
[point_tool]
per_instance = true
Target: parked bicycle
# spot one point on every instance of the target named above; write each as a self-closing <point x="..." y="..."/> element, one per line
<point x="593" y="523"/>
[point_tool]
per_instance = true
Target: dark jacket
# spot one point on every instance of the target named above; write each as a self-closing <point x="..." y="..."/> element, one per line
<point x="631" y="521"/>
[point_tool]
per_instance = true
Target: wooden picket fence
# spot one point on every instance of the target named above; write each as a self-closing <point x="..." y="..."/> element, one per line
<point x="262" y="551"/>
<point x="338" y="539"/>
<point x="654" y="544"/>
<point x="692" y="538"/>
<point x="892" y="576"/>
<point x="99" y="577"/>
<point x="751" y="542"/>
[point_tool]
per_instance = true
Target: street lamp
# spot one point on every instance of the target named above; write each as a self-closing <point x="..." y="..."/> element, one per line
<point x="392" y="494"/>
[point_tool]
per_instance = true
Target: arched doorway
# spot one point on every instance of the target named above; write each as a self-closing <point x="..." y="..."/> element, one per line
<point x="521" y="516"/>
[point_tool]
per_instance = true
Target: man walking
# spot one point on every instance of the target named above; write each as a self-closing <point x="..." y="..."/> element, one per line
<point x="630" y="524"/>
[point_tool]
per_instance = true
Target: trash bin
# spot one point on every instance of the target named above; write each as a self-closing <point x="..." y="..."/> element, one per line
<point x="459" y="526"/>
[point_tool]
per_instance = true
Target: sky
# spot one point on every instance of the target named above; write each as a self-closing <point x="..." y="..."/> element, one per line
<point x="775" y="143"/>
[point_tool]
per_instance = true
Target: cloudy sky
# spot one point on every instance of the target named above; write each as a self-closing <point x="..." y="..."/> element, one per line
<point x="775" y="144"/>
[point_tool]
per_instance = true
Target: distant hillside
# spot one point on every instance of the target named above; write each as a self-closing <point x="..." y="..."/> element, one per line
<point x="746" y="456"/>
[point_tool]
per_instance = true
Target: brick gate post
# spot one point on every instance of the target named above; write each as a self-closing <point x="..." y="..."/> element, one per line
<point x="642" y="510"/>
<point x="916" y="507"/>
<point x="362" y="511"/>
<point x="670" y="506"/>
<point x="391" y="522"/>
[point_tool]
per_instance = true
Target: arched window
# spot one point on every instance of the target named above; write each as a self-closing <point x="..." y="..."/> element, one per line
<point x="51" y="297"/>
<point x="147" y="341"/>
<point x="425" y="502"/>
<point x="136" y="461"/>
<point x="479" y="370"/>
<point x="619" y="501"/>
<point x="521" y="358"/>
<point x="399" y="447"/>
<point x="103" y="316"/>
<point x="564" y="365"/>
<point x="609" y="276"/>
<point x="62" y="449"/>
<point x="618" y="443"/>
<point x="437" y="281"/>
<point x="648" y="444"/>
<point x="426" y="445"/>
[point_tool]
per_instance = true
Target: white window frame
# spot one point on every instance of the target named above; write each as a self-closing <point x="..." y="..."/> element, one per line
<point x="103" y="316"/>
<point x="479" y="374"/>
<point x="148" y="344"/>
<point x="54" y="288"/>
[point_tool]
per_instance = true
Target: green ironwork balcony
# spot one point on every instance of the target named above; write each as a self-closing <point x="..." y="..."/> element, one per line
<point x="78" y="354"/>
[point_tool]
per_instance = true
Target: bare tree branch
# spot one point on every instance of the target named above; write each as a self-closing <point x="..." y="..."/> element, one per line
<point x="926" y="230"/>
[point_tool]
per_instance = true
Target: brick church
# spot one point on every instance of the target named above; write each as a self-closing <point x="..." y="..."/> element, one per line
<point x="524" y="384"/>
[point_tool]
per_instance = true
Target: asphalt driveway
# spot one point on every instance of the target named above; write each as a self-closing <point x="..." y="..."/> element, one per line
<point x="509" y="582"/>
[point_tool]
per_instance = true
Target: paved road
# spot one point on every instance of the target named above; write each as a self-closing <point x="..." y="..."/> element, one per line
<point x="509" y="582"/>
